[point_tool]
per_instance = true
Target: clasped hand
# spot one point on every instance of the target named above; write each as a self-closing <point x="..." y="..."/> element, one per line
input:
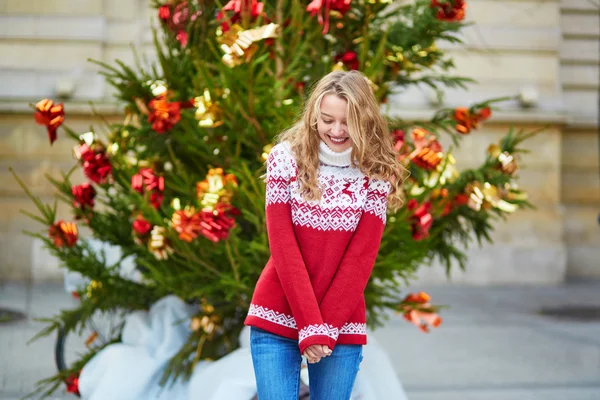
<point x="315" y="352"/>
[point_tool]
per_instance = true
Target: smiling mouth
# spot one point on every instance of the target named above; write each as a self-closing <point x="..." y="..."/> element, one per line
<point x="338" y="141"/>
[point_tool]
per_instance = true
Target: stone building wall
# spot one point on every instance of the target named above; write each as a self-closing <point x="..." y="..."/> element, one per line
<point x="580" y="175"/>
<point x="545" y="46"/>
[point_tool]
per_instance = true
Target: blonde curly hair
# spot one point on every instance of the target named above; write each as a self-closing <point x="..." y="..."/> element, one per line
<point x="372" y="146"/>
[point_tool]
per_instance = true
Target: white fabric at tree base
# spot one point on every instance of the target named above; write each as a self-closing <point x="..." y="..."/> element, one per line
<point x="131" y="370"/>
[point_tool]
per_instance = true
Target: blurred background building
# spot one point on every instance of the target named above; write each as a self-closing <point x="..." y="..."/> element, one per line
<point x="543" y="51"/>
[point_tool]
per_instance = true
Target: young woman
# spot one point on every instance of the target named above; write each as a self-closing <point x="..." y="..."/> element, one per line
<point x="329" y="182"/>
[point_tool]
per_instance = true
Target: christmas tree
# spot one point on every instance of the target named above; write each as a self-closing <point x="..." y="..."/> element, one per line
<point x="177" y="185"/>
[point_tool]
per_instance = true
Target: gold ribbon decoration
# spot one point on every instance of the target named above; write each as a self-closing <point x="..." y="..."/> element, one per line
<point x="239" y="45"/>
<point x="508" y="163"/>
<point x="487" y="196"/>
<point x="216" y="188"/>
<point x="208" y="113"/>
<point x="158" y="245"/>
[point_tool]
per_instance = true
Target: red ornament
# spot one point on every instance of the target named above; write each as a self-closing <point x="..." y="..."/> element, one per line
<point x="398" y="137"/>
<point x="72" y="383"/>
<point x="450" y="10"/>
<point x="236" y="6"/>
<point x="177" y="19"/>
<point x="63" y="233"/>
<point x="156" y="199"/>
<point x="182" y="37"/>
<point x="188" y="223"/>
<point x="146" y="181"/>
<point x="417" y="309"/>
<point x="96" y="165"/>
<point x="316" y="8"/>
<point x="461" y="199"/>
<point x="467" y="120"/>
<point x="83" y="195"/>
<point x="50" y="115"/>
<point x="349" y="59"/>
<point x="141" y="226"/>
<point x="164" y="13"/>
<point x="427" y="150"/>
<point x="216" y="224"/>
<point x="421" y="219"/>
<point x="163" y="114"/>
<point x="181" y="16"/>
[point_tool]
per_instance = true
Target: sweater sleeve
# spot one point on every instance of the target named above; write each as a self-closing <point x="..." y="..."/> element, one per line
<point x="353" y="272"/>
<point x="287" y="258"/>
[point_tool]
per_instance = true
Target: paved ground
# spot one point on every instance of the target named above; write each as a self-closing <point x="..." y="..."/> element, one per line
<point x="493" y="344"/>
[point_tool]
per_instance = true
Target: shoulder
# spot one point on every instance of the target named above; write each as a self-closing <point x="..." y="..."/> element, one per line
<point x="281" y="153"/>
<point x="282" y="149"/>
<point x="280" y="160"/>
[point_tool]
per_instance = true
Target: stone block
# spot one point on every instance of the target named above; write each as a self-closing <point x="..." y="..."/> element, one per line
<point x="124" y="32"/>
<point x="530" y="228"/>
<point x="583" y="261"/>
<point x="582" y="227"/>
<point x="580" y="50"/>
<point x="514" y="13"/>
<point x="44" y="266"/>
<point x="48" y="55"/>
<point x="126" y="10"/>
<point x="34" y="84"/>
<point x="580" y="150"/>
<point x="19" y="83"/>
<point x="52" y="27"/>
<point x="490" y="38"/>
<point x="504" y="66"/>
<point x="578" y="5"/>
<point x="23" y="139"/>
<point x="580" y="24"/>
<point x="500" y="264"/>
<point x="15" y="262"/>
<point x="582" y="76"/>
<point x="543" y="186"/>
<point x="580" y="187"/>
<point x="53" y="7"/>
<point x="581" y="103"/>
<point x="16" y="26"/>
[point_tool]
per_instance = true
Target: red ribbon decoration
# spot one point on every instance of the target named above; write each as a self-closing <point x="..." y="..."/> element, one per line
<point x="50" y="115"/>
<point x="63" y="233"/>
<point x="145" y="180"/>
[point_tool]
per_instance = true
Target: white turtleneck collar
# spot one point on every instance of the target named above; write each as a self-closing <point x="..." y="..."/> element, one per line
<point x="330" y="157"/>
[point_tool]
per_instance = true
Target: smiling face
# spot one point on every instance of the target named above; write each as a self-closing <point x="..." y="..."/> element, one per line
<point x="332" y="125"/>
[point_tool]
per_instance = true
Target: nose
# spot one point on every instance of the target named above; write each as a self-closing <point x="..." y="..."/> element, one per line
<point x="336" y="130"/>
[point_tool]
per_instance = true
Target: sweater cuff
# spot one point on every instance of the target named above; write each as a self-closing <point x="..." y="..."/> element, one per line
<point x="316" y="339"/>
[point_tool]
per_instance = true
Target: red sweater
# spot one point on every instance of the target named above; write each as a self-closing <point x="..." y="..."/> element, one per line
<point x="322" y="252"/>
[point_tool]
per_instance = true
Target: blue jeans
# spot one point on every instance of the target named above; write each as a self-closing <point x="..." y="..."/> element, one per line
<point x="277" y="362"/>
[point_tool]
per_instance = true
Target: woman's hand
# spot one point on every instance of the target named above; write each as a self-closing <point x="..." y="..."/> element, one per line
<point x="315" y="352"/>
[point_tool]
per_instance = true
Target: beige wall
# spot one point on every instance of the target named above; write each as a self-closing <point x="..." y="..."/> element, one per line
<point x="549" y="46"/>
<point x="580" y="189"/>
